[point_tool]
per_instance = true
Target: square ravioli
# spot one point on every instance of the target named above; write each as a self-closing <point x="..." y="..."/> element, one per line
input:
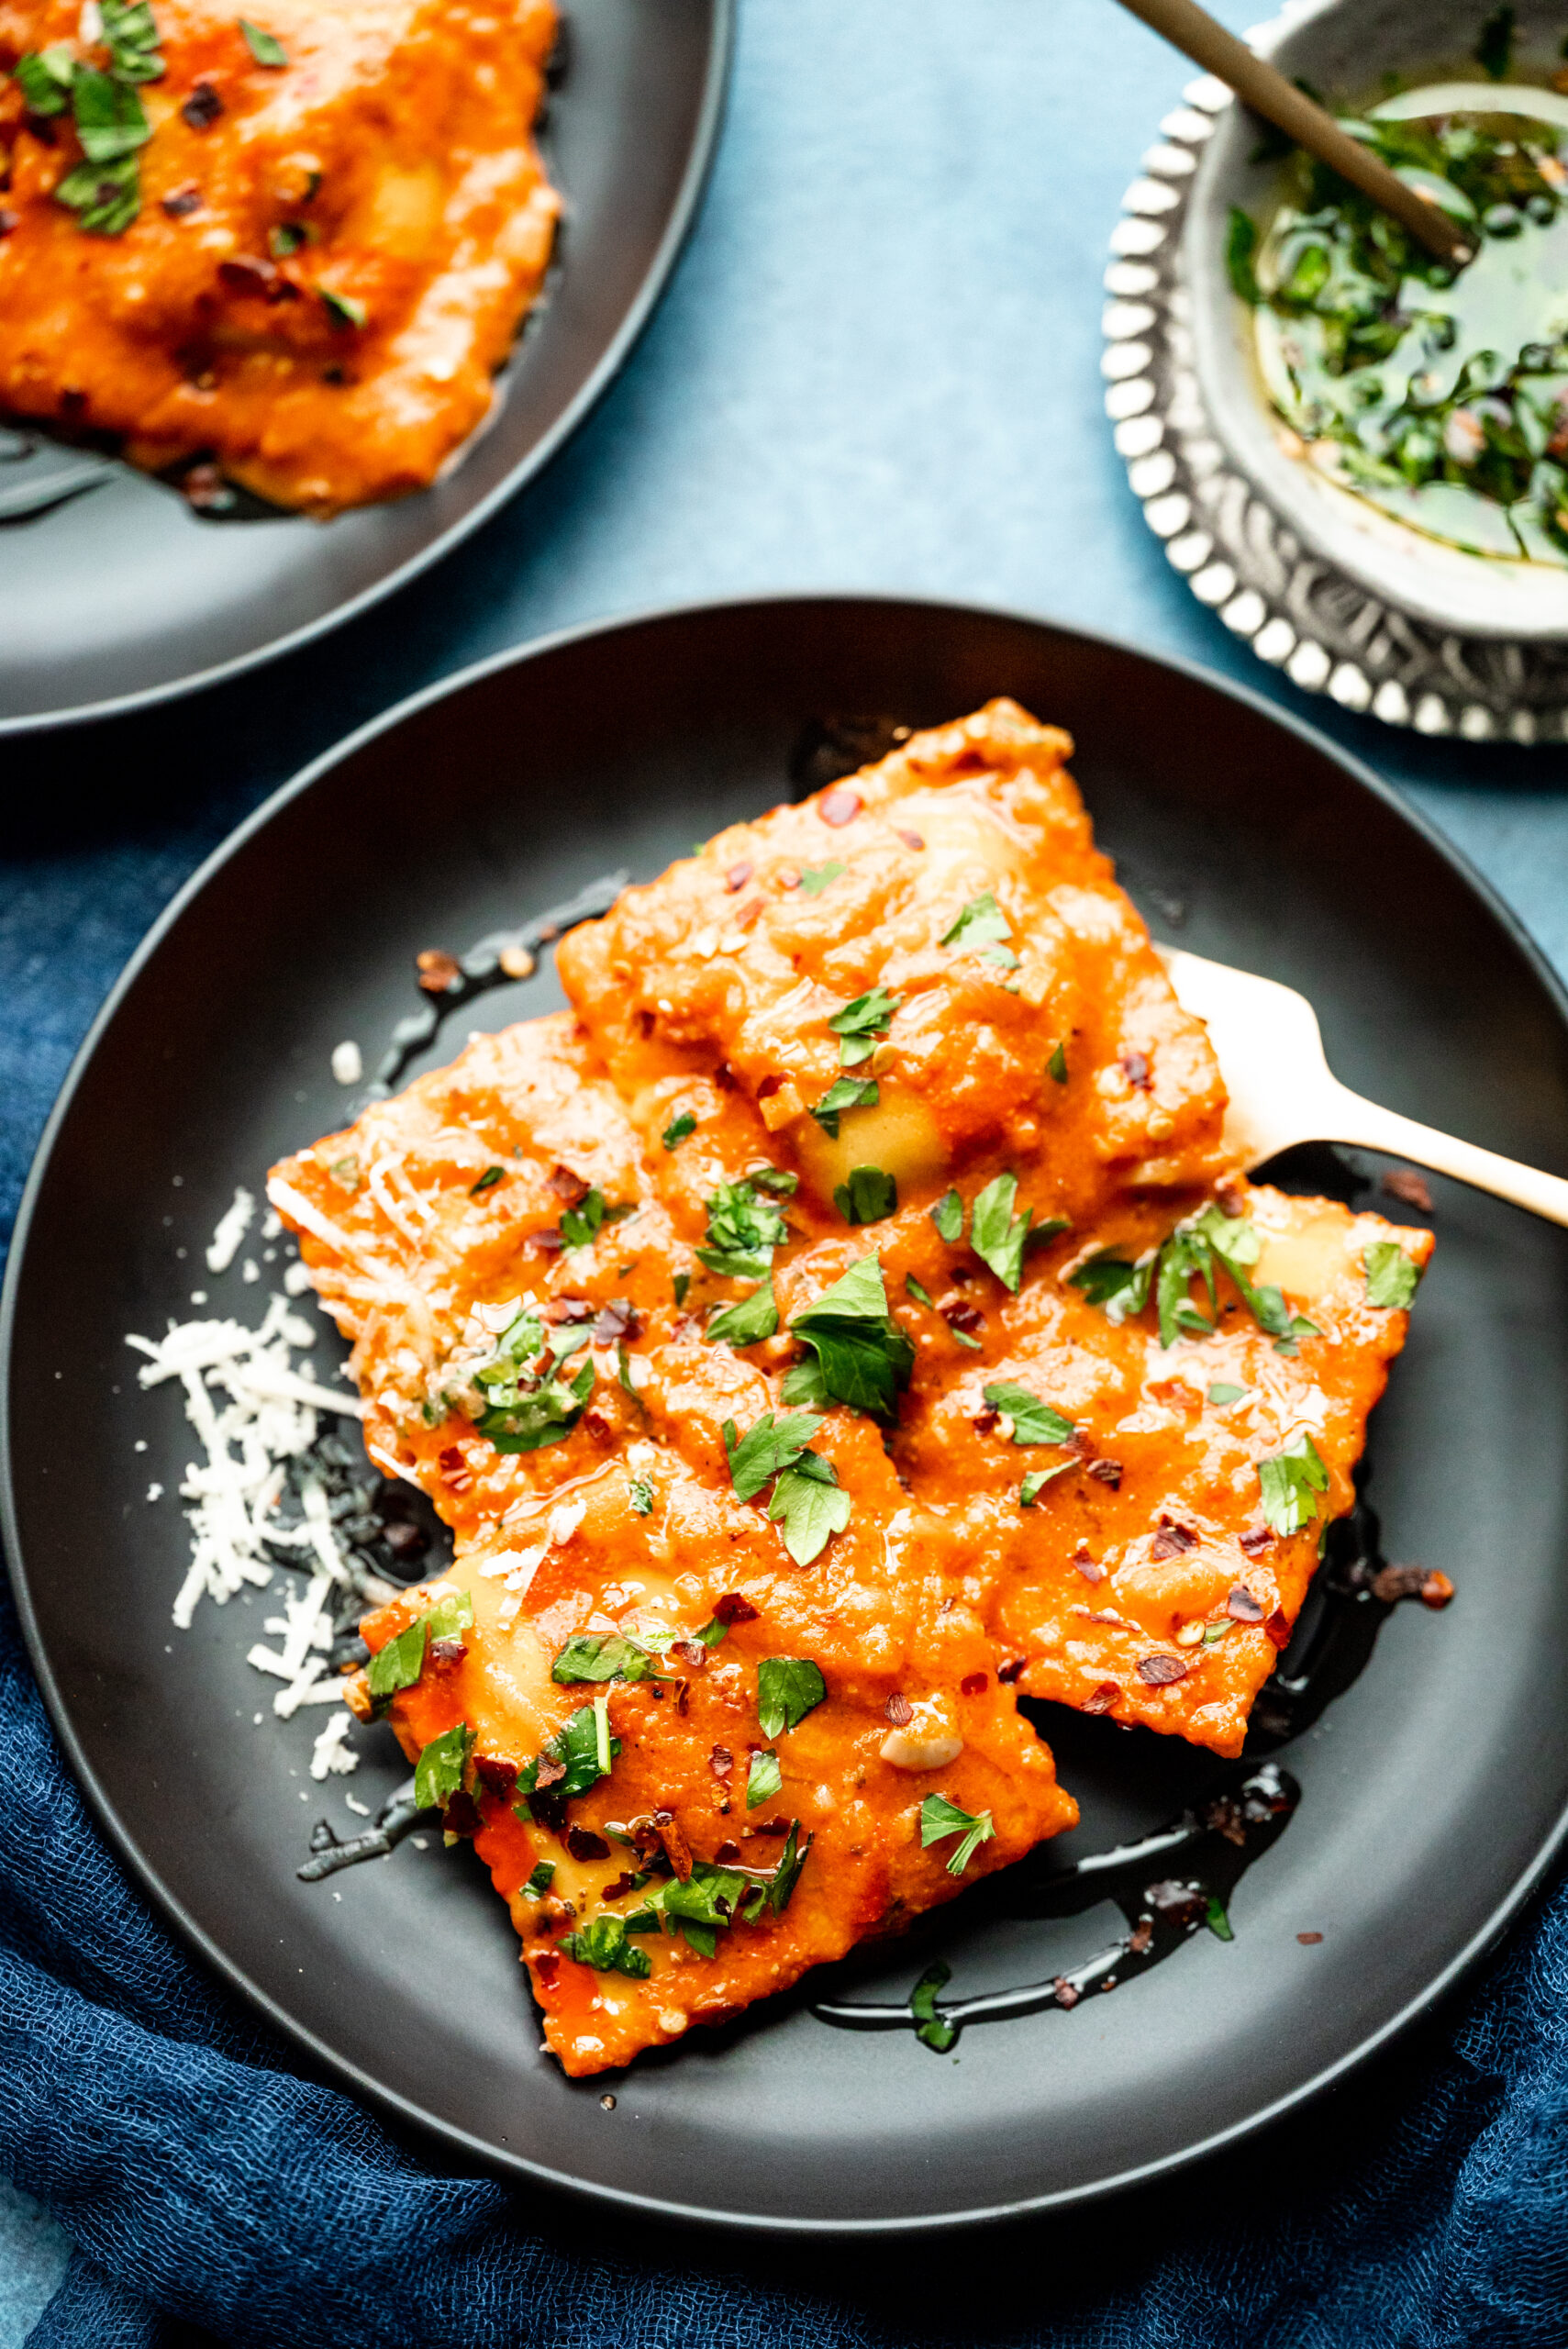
<point x="1143" y="1482"/>
<point x="693" y="1769"/>
<point x="919" y="970"/>
<point x="294" y="254"/>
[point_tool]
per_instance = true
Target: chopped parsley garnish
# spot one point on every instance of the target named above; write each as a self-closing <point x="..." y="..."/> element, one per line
<point x="1056" y="1066"/>
<point x="439" y="1772"/>
<point x="679" y="1287"/>
<point x="640" y="1494"/>
<point x="922" y="1296"/>
<point x="1391" y="1276"/>
<point x="764" y="1779"/>
<point x="675" y="1132"/>
<point x="106" y="197"/>
<point x="486" y="1182"/>
<point x="814" y="879"/>
<point x="714" y="1898"/>
<point x="845" y="1093"/>
<point x="788" y="1688"/>
<point x="1288" y="1481"/>
<point x="859" y="1023"/>
<point x="603" y="1655"/>
<point x="999" y="1237"/>
<point x="808" y="1505"/>
<point x="869" y="1195"/>
<point x="264" y="47"/>
<point x="982" y="923"/>
<point x="939" y="1819"/>
<point x="947" y="1217"/>
<point x="931" y="2029"/>
<point x="576" y="1748"/>
<point x="772" y="1178"/>
<point x="1216" y="1919"/>
<point x="623" y="1369"/>
<point x="1222" y="1392"/>
<point x="746" y="1324"/>
<point x="538" y="1884"/>
<point x="399" y="1664"/>
<point x="131" y="38"/>
<point x="743" y="1232"/>
<point x="602" y="1943"/>
<point x="345" y="310"/>
<point x="44" y="78"/>
<point x="1033" y="1422"/>
<point x="861" y="1357"/>
<point x="581" y="1225"/>
<point x="526" y="1409"/>
<point x="1191" y="1253"/>
<point x="286" y="238"/>
<point x="1035" y="1483"/>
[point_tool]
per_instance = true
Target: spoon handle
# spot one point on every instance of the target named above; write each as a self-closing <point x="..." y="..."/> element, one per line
<point x="1364" y="1122"/>
<point x="1262" y="87"/>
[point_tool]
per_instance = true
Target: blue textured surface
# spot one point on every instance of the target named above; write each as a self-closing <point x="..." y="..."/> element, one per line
<point x="878" y="368"/>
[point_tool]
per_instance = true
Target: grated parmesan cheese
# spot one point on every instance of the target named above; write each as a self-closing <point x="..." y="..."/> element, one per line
<point x="232" y="1226"/>
<point x="330" y="1751"/>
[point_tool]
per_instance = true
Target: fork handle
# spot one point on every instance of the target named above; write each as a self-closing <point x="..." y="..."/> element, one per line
<point x="1374" y="1128"/>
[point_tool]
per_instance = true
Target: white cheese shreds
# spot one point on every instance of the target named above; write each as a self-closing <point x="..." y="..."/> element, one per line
<point x="330" y="1751"/>
<point x="294" y="1203"/>
<point x="360" y="1809"/>
<point x="232" y="1226"/>
<point x="348" y="1062"/>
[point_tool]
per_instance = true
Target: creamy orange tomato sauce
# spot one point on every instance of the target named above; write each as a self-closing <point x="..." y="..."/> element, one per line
<point x="389" y="164"/>
<point x="1141" y="1579"/>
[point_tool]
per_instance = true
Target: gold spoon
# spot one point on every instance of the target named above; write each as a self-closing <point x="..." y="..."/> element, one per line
<point x="1262" y="87"/>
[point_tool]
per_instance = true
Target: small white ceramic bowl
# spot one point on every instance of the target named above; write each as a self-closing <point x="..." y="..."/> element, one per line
<point x="1345" y="599"/>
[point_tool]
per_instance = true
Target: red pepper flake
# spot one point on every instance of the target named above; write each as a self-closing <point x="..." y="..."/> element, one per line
<point x="547" y="1965"/>
<point x="1086" y="1566"/>
<point x="984" y="1421"/>
<point x="203" y="488"/>
<point x="960" y="1315"/>
<point x="898" y="1708"/>
<point x="1067" y="1993"/>
<point x="839" y="807"/>
<point x="1243" y="1608"/>
<point x="1310" y="1941"/>
<point x="447" y="1653"/>
<point x="911" y="840"/>
<point x="972" y="1683"/>
<point x="571" y="1188"/>
<point x="721" y="1762"/>
<point x="497" y="1777"/>
<point x="738" y="874"/>
<point x="726" y="1853"/>
<point x="1135" y="1068"/>
<point x="455" y="1469"/>
<point x="622" y="1884"/>
<point x="1172" y="1541"/>
<point x="1277" y="1629"/>
<point x="1101" y="1699"/>
<point x="1107" y="1470"/>
<point x="789" y="880"/>
<point x="1162" y="1671"/>
<point x="645" y="1024"/>
<point x="596" y="1427"/>
<point x="1393" y="1582"/>
<point x="725" y="1078"/>
<point x="461" y="1816"/>
<point x="768" y="1086"/>
<point x="202" y="108"/>
<point x="1142" y="1937"/>
<point x="733" y="1609"/>
<point x="677" y="1851"/>
<point x="1177" y="1903"/>
<point x="550" y="1774"/>
<point x="248" y="273"/>
<point x="1403" y="1183"/>
<point x="1009" y="1671"/>
<point x="618" y="1320"/>
<point x="692" y="1653"/>
<point x="181" y="202"/>
<point x="584" y="1844"/>
<point x="772" y="1827"/>
<point x="548" y="1242"/>
<point x="744" y="916"/>
<point x="438" y="970"/>
<point x="1257" y="1538"/>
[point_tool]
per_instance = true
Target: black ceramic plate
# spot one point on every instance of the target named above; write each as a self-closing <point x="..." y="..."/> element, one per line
<point x="1432" y="1786"/>
<point x="114" y="593"/>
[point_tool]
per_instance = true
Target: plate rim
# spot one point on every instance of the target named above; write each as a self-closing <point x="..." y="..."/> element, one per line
<point x="343" y="2072"/>
<point x="655" y="281"/>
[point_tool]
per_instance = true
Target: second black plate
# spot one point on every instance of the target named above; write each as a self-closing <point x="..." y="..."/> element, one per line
<point x="114" y="593"/>
<point x="1433" y="1787"/>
